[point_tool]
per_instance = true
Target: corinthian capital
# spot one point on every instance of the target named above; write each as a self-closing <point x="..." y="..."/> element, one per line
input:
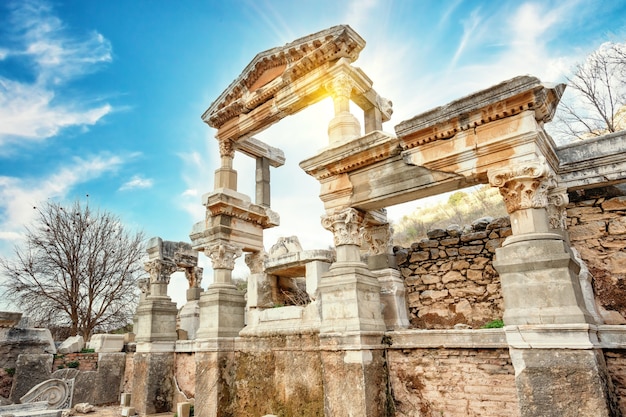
<point x="223" y="255"/>
<point x="255" y="261"/>
<point x="378" y="238"/>
<point x="227" y="149"/>
<point x="525" y="185"/>
<point x="160" y="271"/>
<point x="340" y="86"/>
<point x="345" y="226"/>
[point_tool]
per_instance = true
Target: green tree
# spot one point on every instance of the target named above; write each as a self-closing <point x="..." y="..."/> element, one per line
<point x="77" y="267"/>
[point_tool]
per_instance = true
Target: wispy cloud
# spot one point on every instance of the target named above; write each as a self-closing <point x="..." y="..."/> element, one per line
<point x="469" y="28"/>
<point x="137" y="181"/>
<point x="18" y="196"/>
<point x="40" y="41"/>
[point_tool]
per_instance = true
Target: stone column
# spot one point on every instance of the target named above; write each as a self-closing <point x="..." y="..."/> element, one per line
<point x="352" y="325"/>
<point x="344" y="126"/>
<point x="226" y="176"/>
<point x="383" y="265"/>
<point x="189" y="315"/>
<point x="262" y="189"/>
<point x="156" y="314"/>
<point x="156" y="341"/>
<point x="222" y="305"/>
<point x="559" y="370"/>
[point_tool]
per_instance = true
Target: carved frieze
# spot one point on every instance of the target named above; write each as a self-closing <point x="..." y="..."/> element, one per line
<point x="160" y="270"/>
<point x="223" y="255"/>
<point x="524" y="185"/>
<point x="345" y="226"/>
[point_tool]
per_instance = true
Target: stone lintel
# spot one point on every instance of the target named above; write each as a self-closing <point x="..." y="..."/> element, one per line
<point x="500" y="101"/>
<point x="585" y="164"/>
<point x="450" y="339"/>
<point x="352" y="155"/>
<point x="494" y="145"/>
<point x="255" y="148"/>
<point x="293" y="265"/>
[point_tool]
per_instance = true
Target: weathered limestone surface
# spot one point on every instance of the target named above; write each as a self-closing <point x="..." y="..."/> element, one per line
<point x="30" y="370"/>
<point x="563" y="383"/>
<point x="16" y="341"/>
<point x="273" y="375"/>
<point x="153" y="386"/>
<point x="450" y="277"/>
<point x="109" y="377"/>
<point x="72" y="344"/>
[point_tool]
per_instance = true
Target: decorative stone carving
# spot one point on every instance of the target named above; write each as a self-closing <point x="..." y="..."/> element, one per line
<point x="345" y="226"/>
<point x="160" y="271"/>
<point x="255" y="261"/>
<point x="379" y="238"/>
<point x="144" y="286"/>
<point x="524" y="185"/>
<point x="227" y="148"/>
<point x="57" y="392"/>
<point x="223" y="255"/>
<point x="557" y="215"/>
<point x="340" y="87"/>
<point x="194" y="276"/>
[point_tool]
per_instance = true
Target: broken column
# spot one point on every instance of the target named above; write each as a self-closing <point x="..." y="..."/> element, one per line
<point x="559" y="368"/>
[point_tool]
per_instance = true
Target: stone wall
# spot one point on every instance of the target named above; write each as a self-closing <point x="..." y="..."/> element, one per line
<point x="449" y="276"/>
<point x="616" y="365"/>
<point x="85" y="361"/>
<point x="597" y="229"/>
<point x="453" y="382"/>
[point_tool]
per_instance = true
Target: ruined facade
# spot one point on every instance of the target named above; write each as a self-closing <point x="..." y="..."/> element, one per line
<point x="326" y="333"/>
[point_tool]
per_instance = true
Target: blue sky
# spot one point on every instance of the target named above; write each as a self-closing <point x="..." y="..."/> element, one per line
<point x="103" y="98"/>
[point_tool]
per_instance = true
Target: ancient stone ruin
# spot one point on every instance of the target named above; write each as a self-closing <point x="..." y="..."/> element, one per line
<point x="368" y="329"/>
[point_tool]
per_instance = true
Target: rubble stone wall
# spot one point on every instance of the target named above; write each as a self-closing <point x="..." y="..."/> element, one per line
<point x="616" y="365"/>
<point x="85" y="361"/>
<point x="450" y="278"/>
<point x="453" y="382"/>
<point x="597" y="229"/>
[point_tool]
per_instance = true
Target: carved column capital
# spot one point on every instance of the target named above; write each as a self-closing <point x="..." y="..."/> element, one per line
<point x="525" y="185"/>
<point x="227" y="148"/>
<point x="340" y="86"/>
<point x="378" y="238"/>
<point x="160" y="271"/>
<point x="345" y="226"/>
<point x="255" y="261"/>
<point x="557" y="214"/>
<point x="223" y="255"/>
<point x="194" y="276"/>
<point x="144" y="286"/>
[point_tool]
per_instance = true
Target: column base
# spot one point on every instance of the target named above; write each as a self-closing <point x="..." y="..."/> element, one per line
<point x="222" y="312"/>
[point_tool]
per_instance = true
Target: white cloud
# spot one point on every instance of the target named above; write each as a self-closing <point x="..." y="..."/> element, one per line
<point x="137" y="181"/>
<point x="18" y="196"/>
<point x="37" y="110"/>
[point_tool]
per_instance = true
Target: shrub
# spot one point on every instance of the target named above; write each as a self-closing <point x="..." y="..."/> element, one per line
<point x="73" y="364"/>
<point x="493" y="324"/>
<point x="10" y="371"/>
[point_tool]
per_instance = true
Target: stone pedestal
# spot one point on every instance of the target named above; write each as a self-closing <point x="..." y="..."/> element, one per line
<point x="563" y="383"/>
<point x="222" y="311"/>
<point x="156" y="320"/>
<point x="540" y="282"/>
<point x="153" y="384"/>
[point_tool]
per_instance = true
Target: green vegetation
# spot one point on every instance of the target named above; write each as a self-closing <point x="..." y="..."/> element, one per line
<point x="10" y="371"/>
<point x="73" y="364"/>
<point x="85" y="350"/>
<point x="493" y="324"/>
<point x="462" y="208"/>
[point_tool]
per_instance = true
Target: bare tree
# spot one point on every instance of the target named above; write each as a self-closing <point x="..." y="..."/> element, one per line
<point x="598" y="93"/>
<point x="77" y="268"/>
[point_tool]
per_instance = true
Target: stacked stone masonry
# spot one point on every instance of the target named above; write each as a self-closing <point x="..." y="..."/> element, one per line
<point x="450" y="278"/>
<point x="453" y="382"/>
<point x="597" y="229"/>
<point x="81" y="361"/>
